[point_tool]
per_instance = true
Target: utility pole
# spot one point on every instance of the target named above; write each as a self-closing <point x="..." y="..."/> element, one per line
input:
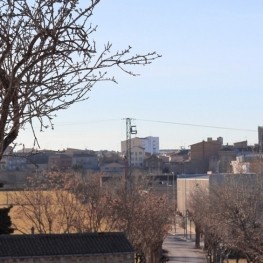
<point x="130" y="129"/>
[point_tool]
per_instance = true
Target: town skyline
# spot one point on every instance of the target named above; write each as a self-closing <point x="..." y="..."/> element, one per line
<point x="254" y="141"/>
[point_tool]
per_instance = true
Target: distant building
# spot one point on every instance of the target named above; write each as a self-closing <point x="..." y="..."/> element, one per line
<point x="149" y="144"/>
<point x="40" y="159"/>
<point x="137" y="156"/>
<point x="248" y="163"/>
<point x="202" y="152"/>
<point x="226" y="155"/>
<point x="154" y="164"/>
<point x="85" y="160"/>
<point x="241" y="145"/>
<point x="60" y="162"/>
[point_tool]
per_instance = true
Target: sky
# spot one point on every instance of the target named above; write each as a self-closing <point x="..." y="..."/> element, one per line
<point x="208" y="82"/>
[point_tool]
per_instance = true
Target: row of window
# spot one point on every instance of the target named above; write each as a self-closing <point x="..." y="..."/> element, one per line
<point x="135" y="153"/>
<point x="136" y="159"/>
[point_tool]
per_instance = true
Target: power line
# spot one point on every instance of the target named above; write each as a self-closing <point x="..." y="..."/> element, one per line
<point x="84" y="122"/>
<point x="197" y="125"/>
<point x="157" y="121"/>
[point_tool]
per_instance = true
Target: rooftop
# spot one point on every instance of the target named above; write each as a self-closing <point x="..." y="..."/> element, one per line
<point x="17" y="246"/>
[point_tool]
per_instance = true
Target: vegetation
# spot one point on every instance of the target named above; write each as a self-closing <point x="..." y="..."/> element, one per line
<point x="49" y="61"/>
<point x="77" y="203"/>
<point x="230" y="215"/>
<point x="5" y="221"/>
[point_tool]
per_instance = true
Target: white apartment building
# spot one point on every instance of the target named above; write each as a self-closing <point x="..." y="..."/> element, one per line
<point x="150" y="144"/>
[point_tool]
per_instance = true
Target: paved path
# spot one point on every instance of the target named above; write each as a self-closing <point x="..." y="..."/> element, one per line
<point x="181" y="250"/>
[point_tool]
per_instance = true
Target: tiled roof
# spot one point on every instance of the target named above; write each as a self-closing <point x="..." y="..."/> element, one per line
<point x="63" y="244"/>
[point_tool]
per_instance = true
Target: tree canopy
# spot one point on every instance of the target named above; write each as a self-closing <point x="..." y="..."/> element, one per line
<point x="48" y="61"/>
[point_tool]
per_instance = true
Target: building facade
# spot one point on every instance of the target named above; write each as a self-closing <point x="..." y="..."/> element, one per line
<point x="137" y="156"/>
<point x="150" y="144"/>
<point x="60" y="162"/>
<point x="202" y="152"/>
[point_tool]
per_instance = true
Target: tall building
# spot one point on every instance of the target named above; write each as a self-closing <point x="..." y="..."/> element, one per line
<point x="150" y="144"/>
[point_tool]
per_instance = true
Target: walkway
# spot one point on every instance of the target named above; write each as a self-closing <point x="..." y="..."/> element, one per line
<point x="180" y="250"/>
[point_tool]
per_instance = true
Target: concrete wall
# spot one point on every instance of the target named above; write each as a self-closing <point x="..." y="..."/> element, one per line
<point x="186" y="184"/>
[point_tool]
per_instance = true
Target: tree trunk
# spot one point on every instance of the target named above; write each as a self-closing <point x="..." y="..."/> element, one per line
<point x="197" y="236"/>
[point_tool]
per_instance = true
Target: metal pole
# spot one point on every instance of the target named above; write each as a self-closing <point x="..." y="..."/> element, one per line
<point x="190" y="228"/>
<point x="186" y="224"/>
<point x="185" y="207"/>
<point x="174" y="213"/>
<point x="128" y="156"/>
<point x="129" y="131"/>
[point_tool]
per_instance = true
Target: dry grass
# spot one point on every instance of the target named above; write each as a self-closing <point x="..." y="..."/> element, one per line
<point x="19" y="221"/>
<point x="5" y="201"/>
<point x="4" y="198"/>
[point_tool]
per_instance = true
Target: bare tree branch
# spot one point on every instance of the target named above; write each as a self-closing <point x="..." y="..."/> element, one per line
<point x="48" y="61"/>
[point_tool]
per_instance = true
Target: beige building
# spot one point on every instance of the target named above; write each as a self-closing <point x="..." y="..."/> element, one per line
<point x="137" y="156"/>
<point x="186" y="184"/>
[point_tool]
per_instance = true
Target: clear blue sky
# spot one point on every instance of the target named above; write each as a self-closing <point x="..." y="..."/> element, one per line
<point x="210" y="73"/>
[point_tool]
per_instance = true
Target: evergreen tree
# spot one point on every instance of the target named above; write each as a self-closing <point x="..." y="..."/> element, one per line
<point x="5" y="221"/>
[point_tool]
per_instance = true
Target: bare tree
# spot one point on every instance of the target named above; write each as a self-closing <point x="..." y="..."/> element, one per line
<point x="230" y="215"/>
<point x="63" y="202"/>
<point x="95" y="201"/>
<point x="48" y="61"/>
<point x="74" y="203"/>
<point x="240" y="214"/>
<point x="143" y="216"/>
<point x="54" y="211"/>
<point x="199" y="210"/>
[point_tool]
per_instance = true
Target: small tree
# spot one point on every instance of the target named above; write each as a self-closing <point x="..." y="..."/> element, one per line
<point x="5" y="221"/>
<point x="198" y="207"/>
<point x="48" y="61"/>
<point x="94" y="199"/>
